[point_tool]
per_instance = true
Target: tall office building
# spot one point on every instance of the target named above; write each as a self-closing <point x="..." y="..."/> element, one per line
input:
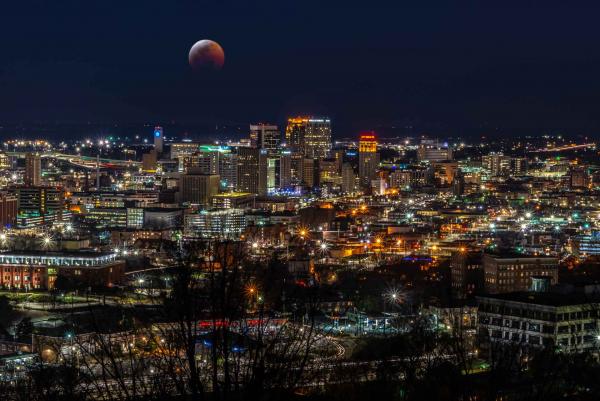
<point x="296" y="168"/>
<point x="309" y="135"/>
<point x="198" y="188"/>
<point x="180" y="150"/>
<point x="33" y="169"/>
<point x="285" y="169"/>
<point x="41" y="200"/>
<point x="498" y="164"/>
<point x="429" y="153"/>
<point x="215" y="223"/>
<point x="201" y="163"/>
<point x="252" y="170"/>
<point x="368" y="159"/>
<point x="8" y="209"/>
<point x="158" y="139"/>
<point x="228" y="170"/>
<point x="211" y="159"/>
<point x="149" y="161"/>
<point x="348" y="178"/>
<point x="310" y="172"/>
<point x="265" y="136"/>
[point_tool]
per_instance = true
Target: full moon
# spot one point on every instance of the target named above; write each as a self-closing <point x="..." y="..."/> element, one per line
<point x="206" y="54"/>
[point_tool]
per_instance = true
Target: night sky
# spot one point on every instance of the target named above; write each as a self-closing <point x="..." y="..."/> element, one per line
<point x="510" y="69"/>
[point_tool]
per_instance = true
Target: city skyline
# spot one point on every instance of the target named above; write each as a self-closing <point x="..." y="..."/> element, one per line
<point x="316" y="201"/>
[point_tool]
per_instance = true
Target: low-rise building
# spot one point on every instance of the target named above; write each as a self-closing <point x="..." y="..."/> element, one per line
<point x="531" y="319"/>
<point x="510" y="272"/>
<point x="38" y="270"/>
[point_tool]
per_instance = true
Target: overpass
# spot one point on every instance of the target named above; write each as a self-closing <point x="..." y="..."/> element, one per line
<point x="88" y="162"/>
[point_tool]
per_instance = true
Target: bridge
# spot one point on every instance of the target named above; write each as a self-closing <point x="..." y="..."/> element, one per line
<point x="88" y="162"/>
<point x="566" y="148"/>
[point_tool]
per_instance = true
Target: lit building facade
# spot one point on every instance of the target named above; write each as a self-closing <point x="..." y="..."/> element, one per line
<point x="309" y="135"/>
<point x="536" y="320"/>
<point x="215" y="223"/>
<point x="38" y="270"/>
<point x="368" y="159"/>
<point x="252" y="170"/>
<point x="33" y="169"/>
<point x="265" y="136"/>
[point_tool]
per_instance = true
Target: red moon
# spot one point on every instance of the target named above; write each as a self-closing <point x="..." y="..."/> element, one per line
<point x="206" y="54"/>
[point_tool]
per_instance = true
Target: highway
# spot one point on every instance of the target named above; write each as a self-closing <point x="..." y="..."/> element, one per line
<point x="88" y="162"/>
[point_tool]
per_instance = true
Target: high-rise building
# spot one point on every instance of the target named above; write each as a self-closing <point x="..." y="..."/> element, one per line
<point x="309" y="135"/>
<point x="41" y="201"/>
<point x="296" y="168"/>
<point x="33" y="169"/>
<point x="149" y="161"/>
<point x="8" y="209"/>
<point x="265" y="136"/>
<point x="198" y="188"/>
<point x="285" y="169"/>
<point x="210" y="159"/>
<point x="310" y="172"/>
<point x="429" y="153"/>
<point x="412" y="176"/>
<point x="497" y="164"/>
<point x="215" y="223"/>
<point x="348" y="178"/>
<point x="158" y="139"/>
<point x="252" y="171"/>
<point x="201" y="163"/>
<point x="180" y="150"/>
<point x="368" y="159"/>
<point x="228" y="170"/>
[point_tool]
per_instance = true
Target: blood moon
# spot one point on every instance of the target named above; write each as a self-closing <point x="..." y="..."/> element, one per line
<point x="206" y="55"/>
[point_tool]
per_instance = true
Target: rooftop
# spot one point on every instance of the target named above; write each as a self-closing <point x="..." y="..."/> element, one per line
<point x="550" y="298"/>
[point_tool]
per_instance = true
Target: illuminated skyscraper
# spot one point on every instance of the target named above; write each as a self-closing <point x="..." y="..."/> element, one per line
<point x="309" y="135"/>
<point x="265" y="136"/>
<point x="212" y="159"/>
<point x="368" y="159"/>
<point x="33" y="169"/>
<point x="198" y="188"/>
<point x="158" y="139"/>
<point x="252" y="171"/>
